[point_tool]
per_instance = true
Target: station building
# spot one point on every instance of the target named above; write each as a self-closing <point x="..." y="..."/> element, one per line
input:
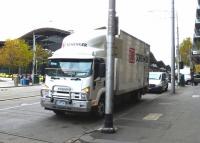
<point x="51" y="39"/>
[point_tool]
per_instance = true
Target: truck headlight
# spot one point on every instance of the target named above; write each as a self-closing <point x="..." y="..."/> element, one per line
<point x="86" y="90"/>
<point x="85" y="93"/>
<point x="45" y="92"/>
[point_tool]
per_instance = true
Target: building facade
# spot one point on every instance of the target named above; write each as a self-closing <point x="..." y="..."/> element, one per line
<point x="196" y="39"/>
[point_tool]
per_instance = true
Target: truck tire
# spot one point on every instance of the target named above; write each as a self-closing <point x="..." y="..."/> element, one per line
<point x="138" y="96"/>
<point x="166" y="88"/>
<point x="100" y="110"/>
<point x="188" y="82"/>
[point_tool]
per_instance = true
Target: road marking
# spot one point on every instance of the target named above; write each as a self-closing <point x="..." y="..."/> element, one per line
<point x="195" y="96"/>
<point x="152" y="116"/>
<point x="22" y="105"/>
<point x="165" y="103"/>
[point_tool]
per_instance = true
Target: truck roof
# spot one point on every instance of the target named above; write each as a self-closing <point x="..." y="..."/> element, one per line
<point x="94" y="38"/>
<point x="84" y="45"/>
<point x="78" y="53"/>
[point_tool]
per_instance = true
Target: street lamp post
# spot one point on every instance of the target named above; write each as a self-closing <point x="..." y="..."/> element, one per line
<point x="177" y="53"/>
<point x="34" y="65"/>
<point x="108" y="124"/>
<point x="34" y="59"/>
<point x="173" y="53"/>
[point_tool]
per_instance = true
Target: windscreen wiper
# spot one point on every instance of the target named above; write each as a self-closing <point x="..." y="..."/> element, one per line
<point x="55" y="78"/>
<point x="75" y="78"/>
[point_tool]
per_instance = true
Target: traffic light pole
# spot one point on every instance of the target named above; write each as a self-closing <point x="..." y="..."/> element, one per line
<point x="108" y="124"/>
<point x="173" y="53"/>
<point x="33" y="65"/>
<point x="177" y="53"/>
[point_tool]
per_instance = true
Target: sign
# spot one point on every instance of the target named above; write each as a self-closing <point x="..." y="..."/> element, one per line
<point x="74" y="44"/>
<point x="61" y="103"/>
<point x="132" y="55"/>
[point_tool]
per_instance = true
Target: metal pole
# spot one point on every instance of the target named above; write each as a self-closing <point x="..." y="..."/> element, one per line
<point x="173" y="53"/>
<point x="177" y="52"/>
<point x="33" y="67"/>
<point x="108" y="124"/>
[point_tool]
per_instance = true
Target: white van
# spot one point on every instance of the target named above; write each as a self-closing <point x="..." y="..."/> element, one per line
<point x="158" y="81"/>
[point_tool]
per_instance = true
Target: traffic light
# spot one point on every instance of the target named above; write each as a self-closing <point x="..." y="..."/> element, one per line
<point x="181" y="65"/>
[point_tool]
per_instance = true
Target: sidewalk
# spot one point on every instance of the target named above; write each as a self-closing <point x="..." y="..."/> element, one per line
<point x="165" y="119"/>
<point x="8" y="82"/>
<point x="9" y="92"/>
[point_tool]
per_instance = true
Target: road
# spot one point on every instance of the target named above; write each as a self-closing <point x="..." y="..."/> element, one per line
<point x="23" y="120"/>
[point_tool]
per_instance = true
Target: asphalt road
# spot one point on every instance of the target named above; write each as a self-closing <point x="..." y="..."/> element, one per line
<point x="23" y="120"/>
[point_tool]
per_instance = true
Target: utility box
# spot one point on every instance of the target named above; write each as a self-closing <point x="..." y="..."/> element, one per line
<point x="16" y="81"/>
<point x="182" y="80"/>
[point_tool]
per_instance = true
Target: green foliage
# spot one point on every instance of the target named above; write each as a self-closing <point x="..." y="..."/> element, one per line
<point x="41" y="57"/>
<point x="42" y="54"/>
<point x="185" y="51"/>
<point x="15" y="53"/>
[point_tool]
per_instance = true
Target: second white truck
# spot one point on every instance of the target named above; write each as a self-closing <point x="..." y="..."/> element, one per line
<point x="75" y="76"/>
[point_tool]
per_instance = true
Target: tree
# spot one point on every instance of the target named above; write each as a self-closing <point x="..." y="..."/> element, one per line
<point x="185" y="51"/>
<point x="15" y="54"/>
<point x="41" y="56"/>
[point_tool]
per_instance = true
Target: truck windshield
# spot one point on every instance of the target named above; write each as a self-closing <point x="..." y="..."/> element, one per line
<point x="69" y="67"/>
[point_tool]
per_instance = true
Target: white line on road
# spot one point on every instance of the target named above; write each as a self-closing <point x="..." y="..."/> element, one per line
<point x="153" y="116"/>
<point x="195" y="96"/>
<point x="22" y="105"/>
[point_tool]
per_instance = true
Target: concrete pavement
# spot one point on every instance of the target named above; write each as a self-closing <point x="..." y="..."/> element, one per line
<point x="9" y="91"/>
<point x="166" y="119"/>
<point x="6" y="82"/>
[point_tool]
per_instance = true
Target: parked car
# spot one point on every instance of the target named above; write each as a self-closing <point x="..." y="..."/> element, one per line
<point x="169" y="77"/>
<point x="158" y="81"/>
<point x="187" y="78"/>
<point x="196" y="79"/>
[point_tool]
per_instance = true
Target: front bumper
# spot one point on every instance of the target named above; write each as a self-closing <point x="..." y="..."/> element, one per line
<point x="72" y="106"/>
<point x="155" y="88"/>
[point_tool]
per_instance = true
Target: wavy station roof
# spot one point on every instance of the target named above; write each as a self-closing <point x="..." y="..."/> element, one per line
<point x="49" y="38"/>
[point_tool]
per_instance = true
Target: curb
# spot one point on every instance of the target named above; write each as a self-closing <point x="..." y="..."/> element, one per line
<point x="20" y="86"/>
<point x="89" y="139"/>
<point x="18" y="97"/>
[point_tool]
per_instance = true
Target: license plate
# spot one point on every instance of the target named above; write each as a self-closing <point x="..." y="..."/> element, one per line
<point x="60" y="103"/>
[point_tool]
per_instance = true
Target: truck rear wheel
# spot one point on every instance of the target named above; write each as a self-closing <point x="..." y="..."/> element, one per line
<point x="138" y="96"/>
<point x="166" y="88"/>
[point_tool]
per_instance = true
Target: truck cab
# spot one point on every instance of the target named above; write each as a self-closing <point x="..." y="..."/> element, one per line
<point x="75" y="76"/>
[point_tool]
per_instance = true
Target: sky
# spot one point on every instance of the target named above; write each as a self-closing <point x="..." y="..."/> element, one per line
<point x="148" y="20"/>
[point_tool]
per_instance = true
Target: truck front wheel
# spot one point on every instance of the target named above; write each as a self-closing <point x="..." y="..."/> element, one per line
<point x="100" y="111"/>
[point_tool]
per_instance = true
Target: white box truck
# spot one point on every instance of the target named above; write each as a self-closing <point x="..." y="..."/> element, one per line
<point x="75" y="75"/>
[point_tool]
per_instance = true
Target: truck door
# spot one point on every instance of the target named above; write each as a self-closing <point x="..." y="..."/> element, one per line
<point x="98" y="80"/>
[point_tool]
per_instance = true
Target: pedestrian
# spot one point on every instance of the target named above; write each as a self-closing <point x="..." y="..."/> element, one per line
<point x="192" y="78"/>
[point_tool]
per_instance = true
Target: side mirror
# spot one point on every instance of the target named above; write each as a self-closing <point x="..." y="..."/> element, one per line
<point x="43" y="69"/>
<point x="102" y="70"/>
<point x="181" y="65"/>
